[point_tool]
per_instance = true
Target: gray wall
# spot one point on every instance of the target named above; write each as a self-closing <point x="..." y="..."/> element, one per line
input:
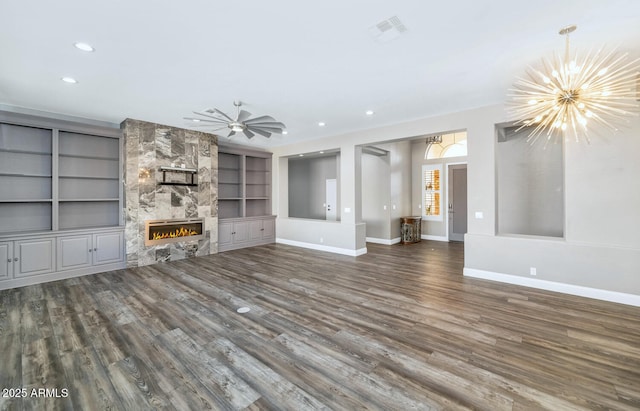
<point x="601" y="246"/>
<point x="376" y="194"/>
<point x="307" y="185"/>
<point x="530" y="187"/>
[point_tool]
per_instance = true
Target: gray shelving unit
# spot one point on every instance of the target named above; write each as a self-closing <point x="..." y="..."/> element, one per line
<point x="244" y="198"/>
<point x="57" y="175"/>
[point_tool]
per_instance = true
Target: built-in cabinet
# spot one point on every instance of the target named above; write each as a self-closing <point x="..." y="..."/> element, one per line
<point x="58" y="180"/>
<point x="89" y="250"/>
<point x="27" y="257"/>
<point x="246" y="232"/>
<point x="244" y="198"/>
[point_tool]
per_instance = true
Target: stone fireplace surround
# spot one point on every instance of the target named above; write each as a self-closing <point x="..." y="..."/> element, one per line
<point x="149" y="146"/>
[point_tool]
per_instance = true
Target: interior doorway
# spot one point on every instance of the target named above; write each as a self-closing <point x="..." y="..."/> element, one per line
<point x="331" y="199"/>
<point x="457" y="201"/>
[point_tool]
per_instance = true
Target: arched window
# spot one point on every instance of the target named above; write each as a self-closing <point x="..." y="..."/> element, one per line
<point x="452" y="145"/>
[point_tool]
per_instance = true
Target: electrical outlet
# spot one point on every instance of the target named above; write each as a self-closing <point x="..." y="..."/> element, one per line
<point x="321" y="240"/>
<point x="533" y="271"/>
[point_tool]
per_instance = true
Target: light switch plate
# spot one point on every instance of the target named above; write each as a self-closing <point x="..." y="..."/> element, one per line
<point x="479" y="215"/>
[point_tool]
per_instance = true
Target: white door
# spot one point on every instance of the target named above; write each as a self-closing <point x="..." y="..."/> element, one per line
<point x="331" y="200"/>
<point x="457" y="193"/>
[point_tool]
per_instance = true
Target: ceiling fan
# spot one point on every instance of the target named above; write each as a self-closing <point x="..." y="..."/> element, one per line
<point x="263" y="125"/>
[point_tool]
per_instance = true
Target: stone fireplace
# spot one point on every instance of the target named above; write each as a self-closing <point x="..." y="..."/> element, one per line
<point x="170" y="175"/>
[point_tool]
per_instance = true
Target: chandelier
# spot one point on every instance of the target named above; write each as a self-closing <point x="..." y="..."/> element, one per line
<point x="566" y="95"/>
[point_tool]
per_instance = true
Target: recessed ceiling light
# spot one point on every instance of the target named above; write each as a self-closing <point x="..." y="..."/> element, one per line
<point x="285" y="132"/>
<point x="322" y="124"/>
<point x="83" y="46"/>
<point x="322" y="152"/>
<point x="369" y="112"/>
<point x="300" y="155"/>
<point x="69" y="80"/>
<point x="197" y="120"/>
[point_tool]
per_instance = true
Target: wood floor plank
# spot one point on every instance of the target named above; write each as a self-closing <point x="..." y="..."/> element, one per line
<point x="324" y="331"/>
<point x="272" y="386"/>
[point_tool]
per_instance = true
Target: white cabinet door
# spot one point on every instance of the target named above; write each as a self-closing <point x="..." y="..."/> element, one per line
<point x="268" y="229"/>
<point x="240" y="232"/>
<point x="225" y="234"/>
<point x="108" y="248"/>
<point x="6" y="260"/>
<point x="74" y="252"/>
<point x="255" y="230"/>
<point x="34" y="257"/>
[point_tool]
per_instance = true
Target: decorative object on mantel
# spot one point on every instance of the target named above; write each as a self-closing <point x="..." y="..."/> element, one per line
<point x="566" y="94"/>
<point x="188" y="171"/>
<point x="263" y="125"/>
<point x="434" y="139"/>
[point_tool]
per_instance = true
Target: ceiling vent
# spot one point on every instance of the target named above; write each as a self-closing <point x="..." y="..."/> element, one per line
<point x="387" y="30"/>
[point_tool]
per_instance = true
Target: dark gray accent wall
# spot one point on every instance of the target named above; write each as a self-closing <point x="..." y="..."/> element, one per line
<point x="307" y="185"/>
<point x="530" y="187"/>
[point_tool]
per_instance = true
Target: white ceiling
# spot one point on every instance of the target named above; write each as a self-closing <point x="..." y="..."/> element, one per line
<point x="301" y="62"/>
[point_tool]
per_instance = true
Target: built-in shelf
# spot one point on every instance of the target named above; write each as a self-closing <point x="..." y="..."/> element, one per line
<point x="187" y="171"/>
<point x="24" y="175"/>
<point x="35" y="200"/>
<point x="244" y="183"/>
<point x="91" y="178"/>
<point x="89" y="157"/>
<point x="80" y="200"/>
<point x="52" y="178"/>
<point x="174" y="183"/>
<point x="39" y="153"/>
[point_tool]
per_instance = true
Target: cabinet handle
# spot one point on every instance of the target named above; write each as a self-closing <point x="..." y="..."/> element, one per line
<point x="90" y="250"/>
<point x="95" y="249"/>
<point x="262" y="229"/>
<point x="9" y="260"/>
<point x="15" y="259"/>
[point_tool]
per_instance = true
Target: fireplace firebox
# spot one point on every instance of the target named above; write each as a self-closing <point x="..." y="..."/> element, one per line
<point x="174" y="230"/>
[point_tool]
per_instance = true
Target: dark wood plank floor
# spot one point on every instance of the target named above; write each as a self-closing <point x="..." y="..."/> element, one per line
<point x="399" y="328"/>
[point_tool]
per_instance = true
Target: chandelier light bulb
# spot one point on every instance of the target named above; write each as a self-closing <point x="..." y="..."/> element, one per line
<point x="557" y="98"/>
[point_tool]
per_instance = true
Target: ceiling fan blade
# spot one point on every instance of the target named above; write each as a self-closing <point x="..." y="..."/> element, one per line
<point x="231" y="134"/>
<point x="267" y="130"/>
<point x="213" y="118"/>
<point x="243" y="115"/>
<point x="260" y="119"/>
<point x="204" y="120"/>
<point x="273" y="124"/>
<point x="222" y="114"/>
<point x="208" y="125"/>
<point x="259" y="131"/>
<point x="248" y="133"/>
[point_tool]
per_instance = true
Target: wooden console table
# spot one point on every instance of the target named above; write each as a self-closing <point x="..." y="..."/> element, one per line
<point x="410" y="229"/>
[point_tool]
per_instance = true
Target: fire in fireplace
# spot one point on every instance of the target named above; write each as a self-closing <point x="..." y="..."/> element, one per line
<point x="169" y="231"/>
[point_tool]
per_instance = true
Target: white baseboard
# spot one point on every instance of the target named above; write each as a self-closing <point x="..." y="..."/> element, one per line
<point x="319" y="247"/>
<point x="598" y="294"/>
<point x="383" y="241"/>
<point x="434" y="237"/>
